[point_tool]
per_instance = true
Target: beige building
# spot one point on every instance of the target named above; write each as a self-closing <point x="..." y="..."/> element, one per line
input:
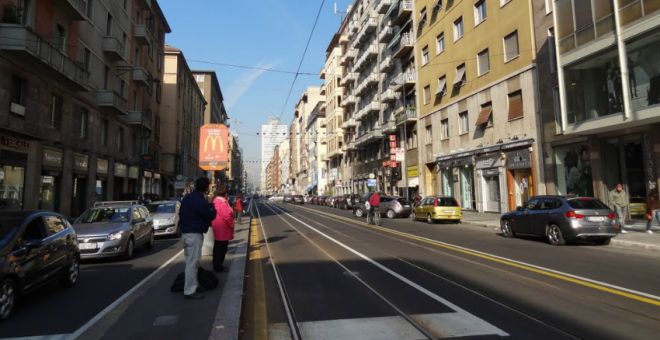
<point x="284" y="167"/>
<point x="302" y="179"/>
<point x="183" y="108"/>
<point x="317" y="148"/>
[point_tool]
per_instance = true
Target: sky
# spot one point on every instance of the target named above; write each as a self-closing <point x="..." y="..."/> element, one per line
<point x="255" y="33"/>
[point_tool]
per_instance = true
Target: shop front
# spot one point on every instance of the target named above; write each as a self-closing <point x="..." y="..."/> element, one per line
<point x="457" y="174"/>
<point x="573" y="172"/>
<point x="79" y="190"/>
<point x="121" y="181"/>
<point x="51" y="179"/>
<point x="520" y="178"/>
<point x="412" y="173"/>
<point x="489" y="169"/>
<point x="13" y="165"/>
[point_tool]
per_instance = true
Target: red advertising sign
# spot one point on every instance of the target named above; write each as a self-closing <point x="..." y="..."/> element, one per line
<point x="213" y="147"/>
<point x="393" y="164"/>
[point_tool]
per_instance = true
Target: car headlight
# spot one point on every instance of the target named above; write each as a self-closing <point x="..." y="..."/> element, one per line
<point x="115" y="236"/>
<point x="171" y="220"/>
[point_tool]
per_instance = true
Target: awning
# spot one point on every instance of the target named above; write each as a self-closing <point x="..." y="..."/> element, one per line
<point x="484" y="115"/>
<point x="460" y="76"/>
<point x="442" y="86"/>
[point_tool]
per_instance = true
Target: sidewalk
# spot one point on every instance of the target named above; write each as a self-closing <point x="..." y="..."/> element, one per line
<point x="635" y="238"/>
<point x="154" y="312"/>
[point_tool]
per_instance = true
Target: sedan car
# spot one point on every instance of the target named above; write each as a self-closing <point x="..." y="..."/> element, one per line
<point x="112" y="229"/>
<point x="165" y="215"/>
<point x="562" y="220"/>
<point x="297" y="199"/>
<point x="438" y="208"/>
<point x="36" y="247"/>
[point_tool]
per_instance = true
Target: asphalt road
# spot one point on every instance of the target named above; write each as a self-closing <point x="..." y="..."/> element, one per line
<point x="54" y="310"/>
<point x="335" y="276"/>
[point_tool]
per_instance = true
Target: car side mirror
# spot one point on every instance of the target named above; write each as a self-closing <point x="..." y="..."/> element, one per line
<point x="519" y="208"/>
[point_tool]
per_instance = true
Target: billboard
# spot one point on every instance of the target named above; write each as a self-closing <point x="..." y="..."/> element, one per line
<point x="213" y="147"/>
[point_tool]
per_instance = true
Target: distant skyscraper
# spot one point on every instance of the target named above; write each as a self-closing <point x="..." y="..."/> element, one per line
<point x="272" y="134"/>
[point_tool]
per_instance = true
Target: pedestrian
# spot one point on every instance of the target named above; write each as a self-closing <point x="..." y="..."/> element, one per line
<point x="238" y="207"/>
<point x="619" y="201"/>
<point x="652" y="210"/>
<point x="195" y="216"/>
<point x="374" y="204"/>
<point x="223" y="228"/>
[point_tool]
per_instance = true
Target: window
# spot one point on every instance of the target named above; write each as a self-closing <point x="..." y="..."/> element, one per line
<point x="427" y="94"/>
<point x="84" y="121"/>
<point x="56" y="104"/>
<point x="504" y="2"/>
<point x="511" y="46"/>
<point x="429" y="134"/>
<point x="483" y="62"/>
<point x="444" y="128"/>
<point x="437" y="5"/>
<point x="422" y="17"/>
<point x="548" y="6"/>
<point x="485" y="118"/>
<point x="479" y="12"/>
<point x="108" y="25"/>
<point x="125" y="4"/>
<point x="442" y="86"/>
<point x="35" y="230"/>
<point x="458" y="28"/>
<point x="106" y="78"/>
<point x="158" y="89"/>
<point x="460" y="75"/>
<point x="104" y="132"/>
<point x="17" y="94"/>
<point x="440" y="43"/>
<point x="463" y="126"/>
<point x="61" y="38"/>
<point x="557" y="109"/>
<point x="515" y="105"/>
<point x="157" y="129"/>
<point x="425" y="55"/>
<point x="120" y="139"/>
<point x="552" y="50"/>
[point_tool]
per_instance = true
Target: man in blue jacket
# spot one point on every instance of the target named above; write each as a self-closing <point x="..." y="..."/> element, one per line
<point x="195" y="216"/>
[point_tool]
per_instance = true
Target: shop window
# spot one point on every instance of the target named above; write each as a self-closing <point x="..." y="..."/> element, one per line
<point x="574" y="170"/>
<point x="644" y="60"/>
<point x="12" y="179"/>
<point x="57" y="103"/>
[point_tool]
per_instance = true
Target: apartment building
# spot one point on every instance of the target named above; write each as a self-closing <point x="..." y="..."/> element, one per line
<point x="234" y="174"/>
<point x="315" y="133"/>
<point x="272" y="134"/>
<point x="273" y="172"/>
<point x="301" y="138"/>
<point x="604" y="129"/>
<point x="68" y="72"/>
<point x="284" y="153"/>
<point x="183" y="107"/>
<point x="477" y="105"/>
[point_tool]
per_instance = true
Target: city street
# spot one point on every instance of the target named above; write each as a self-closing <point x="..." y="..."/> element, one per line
<point x="341" y="278"/>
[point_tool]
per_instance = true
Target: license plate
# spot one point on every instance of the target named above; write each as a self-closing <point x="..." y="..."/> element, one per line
<point x="406" y="206"/>
<point x="87" y="246"/>
<point x="451" y="212"/>
<point x="596" y="218"/>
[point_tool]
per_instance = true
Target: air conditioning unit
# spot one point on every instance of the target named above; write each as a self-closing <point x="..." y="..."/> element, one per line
<point x="17" y="109"/>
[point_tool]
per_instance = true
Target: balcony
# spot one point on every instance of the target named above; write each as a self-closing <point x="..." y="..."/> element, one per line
<point x="142" y="35"/>
<point x="138" y="118"/>
<point x="113" y="48"/>
<point x="349" y="100"/>
<point x="383" y="6"/>
<point x="386" y="63"/>
<point x="389" y="126"/>
<point x="389" y="96"/>
<point x="370" y="24"/>
<point x="349" y="123"/>
<point x="386" y="33"/>
<point x="369" y="137"/>
<point x="141" y="76"/>
<point x="39" y="55"/>
<point x="75" y="9"/>
<point x="111" y="101"/>
<point x="343" y="39"/>
<point x="406" y="45"/>
<point x="404" y="11"/>
<point x="406" y="80"/>
<point x="408" y="115"/>
<point x="350" y="77"/>
<point x="322" y="73"/>
<point x="373" y="107"/>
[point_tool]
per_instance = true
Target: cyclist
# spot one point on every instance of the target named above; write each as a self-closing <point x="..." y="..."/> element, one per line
<point x="374" y="204"/>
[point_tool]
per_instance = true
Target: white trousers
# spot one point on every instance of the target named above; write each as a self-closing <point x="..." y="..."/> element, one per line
<point x="192" y="246"/>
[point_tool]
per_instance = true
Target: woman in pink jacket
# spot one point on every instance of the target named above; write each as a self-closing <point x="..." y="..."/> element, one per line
<point x="223" y="228"/>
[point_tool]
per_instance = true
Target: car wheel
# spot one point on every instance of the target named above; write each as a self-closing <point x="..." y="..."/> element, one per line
<point x="603" y="241"/>
<point x="7" y="298"/>
<point x="71" y="272"/>
<point x="390" y="214"/>
<point x="506" y="228"/>
<point x="555" y="236"/>
<point x="429" y="219"/>
<point x="150" y="242"/>
<point x="130" y="248"/>
<point x="359" y="213"/>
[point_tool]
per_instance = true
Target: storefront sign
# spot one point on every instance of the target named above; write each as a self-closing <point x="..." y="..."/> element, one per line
<point x="371" y="182"/>
<point x="519" y="159"/>
<point x="455" y="162"/>
<point x="120" y="170"/>
<point x="102" y="166"/>
<point x="400" y="154"/>
<point x="490" y="172"/>
<point x="80" y="162"/>
<point x="133" y="172"/>
<point x="146" y="174"/>
<point x="489" y="161"/>
<point x="14" y="143"/>
<point x="156" y="176"/>
<point x="413" y="171"/>
<point x="52" y="158"/>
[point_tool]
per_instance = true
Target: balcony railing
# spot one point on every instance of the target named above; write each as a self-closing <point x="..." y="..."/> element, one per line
<point x="141" y="76"/>
<point x="406" y="8"/>
<point x="406" y="79"/>
<point x="370" y="24"/>
<point x="350" y="77"/>
<point x="111" y="101"/>
<point x="409" y="114"/>
<point x="139" y="118"/>
<point x="142" y="34"/>
<point x="383" y="6"/>
<point x="113" y="48"/>
<point x="406" y="44"/>
<point x="389" y="96"/>
<point x="34" y="51"/>
<point x="374" y="134"/>
<point x="385" y="33"/>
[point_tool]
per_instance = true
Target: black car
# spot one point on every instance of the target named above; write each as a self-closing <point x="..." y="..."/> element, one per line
<point x="35" y="248"/>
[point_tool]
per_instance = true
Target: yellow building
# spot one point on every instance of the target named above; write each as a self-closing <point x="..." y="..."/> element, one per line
<point x="476" y="102"/>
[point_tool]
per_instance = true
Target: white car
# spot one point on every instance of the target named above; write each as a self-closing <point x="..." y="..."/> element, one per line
<point x="278" y="198"/>
<point x="166" y="217"/>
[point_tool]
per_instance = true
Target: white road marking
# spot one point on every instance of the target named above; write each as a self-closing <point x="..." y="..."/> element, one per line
<point x="479" y="326"/>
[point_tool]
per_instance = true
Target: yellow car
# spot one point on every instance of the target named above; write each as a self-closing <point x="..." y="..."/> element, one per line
<point x="637" y="206"/>
<point x="437" y="208"/>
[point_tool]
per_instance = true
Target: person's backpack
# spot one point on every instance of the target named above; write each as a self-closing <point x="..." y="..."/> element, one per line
<point x="205" y="278"/>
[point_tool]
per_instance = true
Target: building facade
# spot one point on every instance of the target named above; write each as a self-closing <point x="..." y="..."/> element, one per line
<point x="234" y="174"/>
<point x="272" y="134"/>
<point x="317" y="149"/>
<point x="284" y="152"/>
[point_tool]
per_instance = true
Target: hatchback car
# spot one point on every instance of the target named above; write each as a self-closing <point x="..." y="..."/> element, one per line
<point x="297" y="199"/>
<point x="111" y="229"/>
<point x="36" y="247"/>
<point x="562" y="220"/>
<point x="637" y="206"/>
<point x="165" y="215"/>
<point x="393" y="207"/>
<point x="438" y="208"/>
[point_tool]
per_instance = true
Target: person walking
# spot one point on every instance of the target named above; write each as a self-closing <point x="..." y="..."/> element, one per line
<point x="652" y="210"/>
<point x="374" y="205"/>
<point x="238" y="207"/>
<point x="195" y="216"/>
<point x="619" y="201"/>
<point x="223" y="228"/>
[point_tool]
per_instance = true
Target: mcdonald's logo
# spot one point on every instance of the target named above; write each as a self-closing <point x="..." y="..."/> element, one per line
<point x="214" y="141"/>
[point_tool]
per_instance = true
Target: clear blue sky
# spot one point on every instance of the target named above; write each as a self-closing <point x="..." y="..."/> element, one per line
<point x="262" y="33"/>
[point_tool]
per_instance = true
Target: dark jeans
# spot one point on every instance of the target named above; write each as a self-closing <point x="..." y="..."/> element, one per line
<point x="219" y="252"/>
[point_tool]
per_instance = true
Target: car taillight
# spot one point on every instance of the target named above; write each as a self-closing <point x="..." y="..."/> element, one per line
<point x="611" y="216"/>
<point x="574" y="215"/>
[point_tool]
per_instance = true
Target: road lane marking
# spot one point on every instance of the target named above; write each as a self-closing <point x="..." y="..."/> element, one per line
<point x="482" y="326"/>
<point x="576" y="279"/>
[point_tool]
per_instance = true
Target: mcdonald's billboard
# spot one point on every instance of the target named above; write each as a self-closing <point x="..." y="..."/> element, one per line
<point x="213" y="147"/>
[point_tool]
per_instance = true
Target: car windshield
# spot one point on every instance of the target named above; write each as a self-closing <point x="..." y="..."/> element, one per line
<point x="105" y="214"/>
<point x="164" y="208"/>
<point x="447" y="202"/>
<point x="587" y="203"/>
<point x="8" y="225"/>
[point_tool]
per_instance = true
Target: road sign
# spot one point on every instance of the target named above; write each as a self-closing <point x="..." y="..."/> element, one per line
<point x="371" y="182"/>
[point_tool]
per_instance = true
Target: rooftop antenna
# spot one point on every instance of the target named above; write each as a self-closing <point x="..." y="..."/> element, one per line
<point x="340" y="13"/>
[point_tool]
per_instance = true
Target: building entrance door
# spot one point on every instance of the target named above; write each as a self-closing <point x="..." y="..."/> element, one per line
<point x="623" y="162"/>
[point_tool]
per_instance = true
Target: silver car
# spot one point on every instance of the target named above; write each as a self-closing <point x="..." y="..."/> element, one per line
<point x="165" y="215"/>
<point x="113" y="229"/>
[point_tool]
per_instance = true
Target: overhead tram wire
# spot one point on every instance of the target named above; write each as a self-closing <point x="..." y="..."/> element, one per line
<point x="267" y="69"/>
<point x="302" y="58"/>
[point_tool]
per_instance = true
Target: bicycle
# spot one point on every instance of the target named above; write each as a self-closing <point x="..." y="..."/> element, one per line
<point x="373" y="217"/>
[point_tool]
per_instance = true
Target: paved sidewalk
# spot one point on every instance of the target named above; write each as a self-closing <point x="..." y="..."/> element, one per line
<point x="635" y="238"/>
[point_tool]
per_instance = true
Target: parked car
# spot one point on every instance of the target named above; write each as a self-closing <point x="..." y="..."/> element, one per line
<point x="275" y="199"/>
<point x="392" y="207"/>
<point x="112" y="229"/>
<point x="288" y="199"/>
<point x="322" y="200"/>
<point x="340" y="202"/>
<point x="297" y="199"/>
<point x="637" y="206"/>
<point x="351" y="199"/>
<point x="360" y="210"/>
<point x="36" y="247"/>
<point x="562" y="220"/>
<point x="330" y="201"/>
<point x="165" y="215"/>
<point x="437" y="208"/>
